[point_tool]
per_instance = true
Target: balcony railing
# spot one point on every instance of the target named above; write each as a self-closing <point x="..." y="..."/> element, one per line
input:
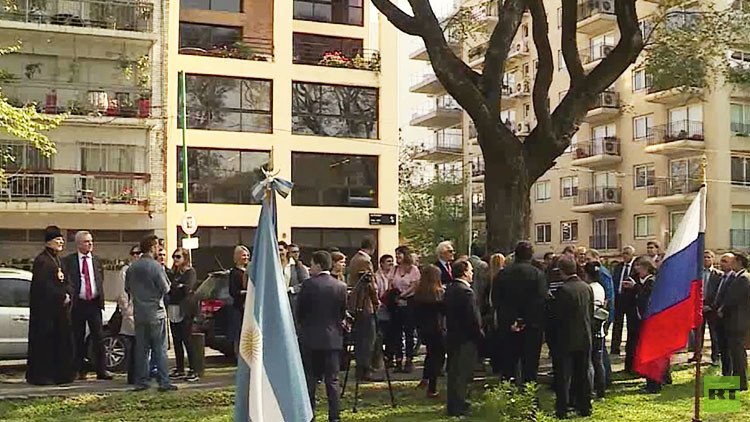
<point x="739" y="238"/>
<point x="477" y="208"/>
<point x="472" y="131"/>
<point x="740" y="128"/>
<point x="446" y="103"/>
<point x="606" y="99"/>
<point x="442" y="141"/>
<point x="120" y="15"/>
<point x="677" y="131"/>
<point x="599" y="146"/>
<point x="477" y="168"/>
<point x="353" y="58"/>
<point x="73" y="187"/>
<point x="605" y="242"/>
<point x="592" y="7"/>
<point x="248" y="48"/>
<point x="596" y="52"/>
<point x="674" y="186"/>
<point x="80" y="99"/>
<point x="601" y="195"/>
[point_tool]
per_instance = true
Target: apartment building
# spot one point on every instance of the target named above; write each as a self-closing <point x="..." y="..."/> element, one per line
<point x="100" y="63"/>
<point x="635" y="163"/>
<point x="303" y="84"/>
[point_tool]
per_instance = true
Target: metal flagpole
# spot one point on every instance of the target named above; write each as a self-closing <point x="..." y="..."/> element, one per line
<point x="183" y="125"/>
<point x="698" y="357"/>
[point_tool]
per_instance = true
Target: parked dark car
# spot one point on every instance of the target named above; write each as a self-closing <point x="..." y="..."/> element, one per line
<point x="214" y="316"/>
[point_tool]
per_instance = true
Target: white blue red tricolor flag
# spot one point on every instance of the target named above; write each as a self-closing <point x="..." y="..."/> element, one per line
<point x="676" y="303"/>
<point x="271" y="383"/>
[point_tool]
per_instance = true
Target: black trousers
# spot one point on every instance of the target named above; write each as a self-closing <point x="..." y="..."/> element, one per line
<point x="572" y="381"/>
<point x="403" y="326"/>
<point x="433" y="362"/>
<point x="523" y="349"/>
<point x="88" y="312"/>
<point x="624" y="309"/>
<point x="130" y="358"/>
<point x="323" y="364"/>
<point x="461" y="361"/>
<point x="738" y="356"/>
<point x="634" y="326"/>
<point x="722" y="342"/>
<point x="181" y="338"/>
<point x="364" y="342"/>
<point x="597" y="361"/>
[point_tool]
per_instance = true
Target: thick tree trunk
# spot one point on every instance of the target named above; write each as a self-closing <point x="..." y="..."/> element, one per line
<point x="506" y="196"/>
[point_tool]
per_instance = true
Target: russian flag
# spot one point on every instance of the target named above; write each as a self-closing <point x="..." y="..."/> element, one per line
<point x="676" y="303"/>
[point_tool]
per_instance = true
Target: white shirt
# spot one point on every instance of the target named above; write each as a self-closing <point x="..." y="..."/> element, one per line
<point x="599" y="298"/>
<point x="626" y="269"/>
<point x="92" y="278"/>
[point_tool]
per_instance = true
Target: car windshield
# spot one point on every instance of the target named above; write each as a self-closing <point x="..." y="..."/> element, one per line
<point x="216" y="286"/>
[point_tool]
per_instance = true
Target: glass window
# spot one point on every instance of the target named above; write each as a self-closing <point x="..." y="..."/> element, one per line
<point x="221" y="176"/>
<point x="310" y="49"/>
<point x="740" y="118"/>
<point x="334" y="110"/>
<point x="217" y="5"/>
<point x="569" y="187"/>
<point x="346" y="240"/>
<point x="543" y="233"/>
<point x="108" y="158"/>
<point x="569" y="231"/>
<point x="334" y="180"/>
<point x="196" y="36"/>
<point x="14" y="293"/>
<point x="645" y="226"/>
<point x="644" y="175"/>
<point x="231" y="104"/>
<point x="23" y="156"/>
<point x="643" y="127"/>
<point x="740" y="231"/>
<point x="543" y="191"/>
<point x="217" y="244"/>
<point x="675" y="218"/>
<point x="741" y="171"/>
<point x="641" y="80"/>
<point x="348" y="12"/>
<point x="560" y="60"/>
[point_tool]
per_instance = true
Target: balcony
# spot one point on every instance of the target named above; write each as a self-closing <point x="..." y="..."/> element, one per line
<point x="98" y="18"/>
<point x="597" y="153"/>
<point x="475" y="56"/>
<point x="672" y="96"/>
<point x="596" y="16"/>
<point x="606" y="107"/>
<point x="739" y="140"/>
<point x="248" y="48"/>
<point x="421" y="53"/>
<point x="676" y="139"/>
<point x="592" y="56"/>
<point x="441" y="113"/>
<point x="739" y="238"/>
<point x="73" y="191"/>
<point x="487" y="14"/>
<point x="519" y="53"/>
<point x="673" y="191"/>
<point x="427" y="83"/>
<point x="606" y="242"/>
<point x="478" y="211"/>
<point x="477" y="170"/>
<point x="442" y="147"/>
<point x="599" y="199"/>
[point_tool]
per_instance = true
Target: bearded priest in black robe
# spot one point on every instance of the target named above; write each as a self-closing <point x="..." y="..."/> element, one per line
<point x="51" y="354"/>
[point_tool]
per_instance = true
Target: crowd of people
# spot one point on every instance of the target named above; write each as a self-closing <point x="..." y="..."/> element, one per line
<point x="464" y="310"/>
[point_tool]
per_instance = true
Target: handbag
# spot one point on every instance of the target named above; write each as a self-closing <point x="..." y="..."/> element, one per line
<point x="115" y="322"/>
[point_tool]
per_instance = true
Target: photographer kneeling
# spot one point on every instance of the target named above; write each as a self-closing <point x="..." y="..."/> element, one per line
<point x="363" y="302"/>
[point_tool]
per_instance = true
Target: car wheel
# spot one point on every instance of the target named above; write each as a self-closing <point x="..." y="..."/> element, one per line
<point x="115" y="352"/>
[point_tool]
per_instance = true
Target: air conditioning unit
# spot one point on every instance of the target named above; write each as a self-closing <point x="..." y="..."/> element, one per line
<point x="610" y="194"/>
<point x="609" y="99"/>
<point x="607" y="5"/>
<point x="610" y="146"/>
<point x="606" y="50"/>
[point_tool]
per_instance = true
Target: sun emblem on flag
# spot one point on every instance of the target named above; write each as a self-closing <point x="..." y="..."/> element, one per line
<point x="250" y="344"/>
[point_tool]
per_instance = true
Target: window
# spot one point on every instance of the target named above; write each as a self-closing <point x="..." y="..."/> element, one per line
<point x="309" y="49"/>
<point x="348" y="12"/>
<point x="216" y="5"/>
<point x="543" y="191"/>
<point x="604" y="180"/>
<point x="643" y="176"/>
<point x="221" y="176"/>
<point x="24" y="157"/>
<point x="604" y="131"/>
<point x="740" y="122"/>
<point x="646" y="26"/>
<point x="335" y="180"/>
<point x="559" y="17"/>
<point x="560" y="60"/>
<point x="643" y="127"/>
<point x="569" y="187"/>
<point x="680" y="116"/>
<point x="600" y="46"/>
<point x="201" y="37"/>
<point x="334" y="110"/>
<point x="569" y="231"/>
<point x="544" y="233"/>
<point x="217" y="247"/>
<point x="605" y="235"/>
<point x="685" y="175"/>
<point x="346" y="240"/>
<point x="108" y="158"/>
<point x="231" y="104"/>
<point x="645" y="226"/>
<point x="675" y="218"/>
<point x="526" y="110"/>
<point x="740" y="231"/>
<point x="14" y="293"/>
<point x="741" y="171"/>
<point x="641" y="80"/>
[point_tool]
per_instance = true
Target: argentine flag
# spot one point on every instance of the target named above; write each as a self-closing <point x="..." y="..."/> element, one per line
<point x="271" y="383"/>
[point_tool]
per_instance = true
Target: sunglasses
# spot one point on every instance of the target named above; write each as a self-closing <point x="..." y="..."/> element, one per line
<point x="135" y="253"/>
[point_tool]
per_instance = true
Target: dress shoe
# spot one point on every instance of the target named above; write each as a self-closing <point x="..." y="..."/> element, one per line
<point x="81" y="376"/>
<point x="106" y="375"/>
<point x="432" y="394"/>
<point x="170" y="387"/>
<point x="422" y="385"/>
<point x="141" y="387"/>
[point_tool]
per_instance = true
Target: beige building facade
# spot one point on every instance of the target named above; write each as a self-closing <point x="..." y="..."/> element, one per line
<point x="634" y="166"/>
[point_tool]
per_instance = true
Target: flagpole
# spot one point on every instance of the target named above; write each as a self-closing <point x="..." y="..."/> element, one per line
<point x="183" y="125"/>
<point x="698" y="357"/>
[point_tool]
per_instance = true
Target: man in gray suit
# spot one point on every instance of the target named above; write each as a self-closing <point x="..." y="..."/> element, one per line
<point x="146" y="282"/>
<point x="321" y="310"/>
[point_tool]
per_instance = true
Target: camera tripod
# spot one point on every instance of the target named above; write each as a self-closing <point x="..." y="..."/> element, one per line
<point x="349" y="355"/>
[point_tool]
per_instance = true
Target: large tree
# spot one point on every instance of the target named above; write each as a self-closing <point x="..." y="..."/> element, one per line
<point x="514" y="164"/>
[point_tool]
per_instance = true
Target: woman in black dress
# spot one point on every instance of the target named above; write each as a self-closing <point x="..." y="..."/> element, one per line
<point x="237" y="290"/>
<point x="429" y="312"/>
<point x="51" y="349"/>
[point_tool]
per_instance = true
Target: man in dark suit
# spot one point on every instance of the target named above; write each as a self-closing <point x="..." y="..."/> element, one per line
<point x="624" y="307"/>
<point x="519" y="294"/>
<point x="445" y="254"/>
<point x="735" y="314"/>
<point x="711" y="278"/>
<point x="86" y="275"/>
<point x="726" y="264"/>
<point x="321" y="310"/>
<point x="574" y="306"/>
<point x="464" y="334"/>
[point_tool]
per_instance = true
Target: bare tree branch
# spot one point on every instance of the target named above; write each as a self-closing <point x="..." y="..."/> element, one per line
<point x="400" y="19"/>
<point x="543" y="80"/>
<point x="510" y="15"/>
<point x="569" y="41"/>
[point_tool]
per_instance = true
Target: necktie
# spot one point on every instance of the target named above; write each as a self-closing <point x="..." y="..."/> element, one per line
<point x="718" y="290"/>
<point x="86" y="278"/>
<point x="625" y="274"/>
<point x="450" y="270"/>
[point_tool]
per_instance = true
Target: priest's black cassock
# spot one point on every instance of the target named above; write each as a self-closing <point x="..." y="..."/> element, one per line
<point x="51" y="348"/>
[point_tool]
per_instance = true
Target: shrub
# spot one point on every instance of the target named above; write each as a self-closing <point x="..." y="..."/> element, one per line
<point x="507" y="403"/>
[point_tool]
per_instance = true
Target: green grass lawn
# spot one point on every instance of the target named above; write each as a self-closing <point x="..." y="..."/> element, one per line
<point x="625" y="402"/>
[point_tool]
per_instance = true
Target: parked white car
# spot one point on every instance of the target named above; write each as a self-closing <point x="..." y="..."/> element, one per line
<point x="14" y="320"/>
